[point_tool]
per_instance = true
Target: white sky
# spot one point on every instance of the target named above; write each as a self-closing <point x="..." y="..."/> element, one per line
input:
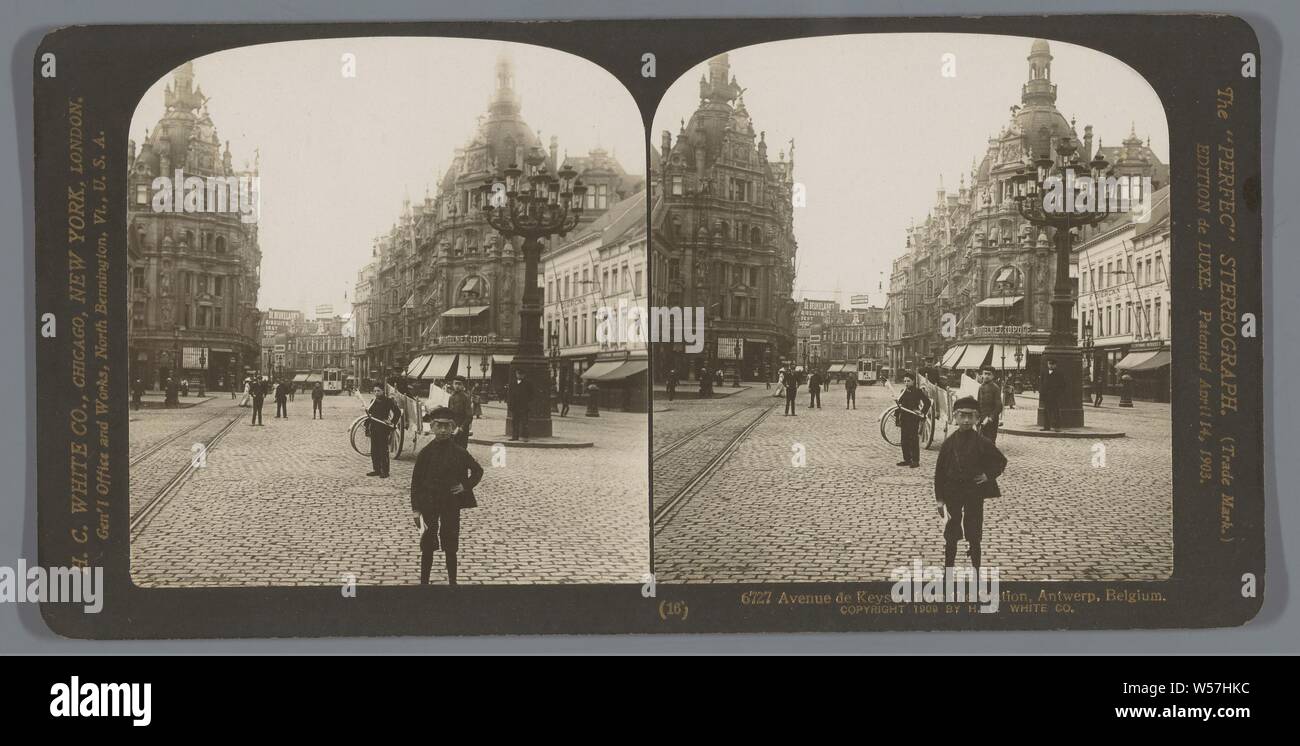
<point x="339" y="154"/>
<point x="876" y="125"/>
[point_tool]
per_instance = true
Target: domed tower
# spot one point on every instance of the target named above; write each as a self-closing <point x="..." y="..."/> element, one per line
<point x="1038" y="120"/>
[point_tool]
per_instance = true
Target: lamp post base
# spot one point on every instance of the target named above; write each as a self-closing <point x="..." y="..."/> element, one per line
<point x="535" y="370"/>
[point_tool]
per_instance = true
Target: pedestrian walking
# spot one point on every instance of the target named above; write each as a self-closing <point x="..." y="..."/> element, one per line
<point x="476" y="396"/>
<point x="292" y="389"/>
<point x="281" y="400"/>
<point x="913" y="404"/>
<point x="990" y="405"/>
<point x="137" y="394"/>
<point x="706" y="383"/>
<point x="966" y="474"/>
<point x="257" y="393"/>
<point x="1009" y="392"/>
<point x="790" y="382"/>
<point x="171" y="392"/>
<point x="851" y="391"/>
<point x="248" y="392"/>
<point x="815" y="390"/>
<point x="671" y="383"/>
<point x="462" y="411"/>
<point x="518" y="401"/>
<point x="185" y="387"/>
<point x="382" y="416"/>
<point x="442" y="485"/>
<point x="1051" y="390"/>
<point x="1098" y="390"/>
<point x="565" y="395"/>
<point x="318" y="401"/>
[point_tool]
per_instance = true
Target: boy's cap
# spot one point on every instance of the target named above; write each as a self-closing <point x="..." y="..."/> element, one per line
<point x="966" y="402"/>
<point x="440" y="413"/>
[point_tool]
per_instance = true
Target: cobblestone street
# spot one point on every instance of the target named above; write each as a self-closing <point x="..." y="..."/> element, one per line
<point x="850" y="514"/>
<point x="289" y="503"/>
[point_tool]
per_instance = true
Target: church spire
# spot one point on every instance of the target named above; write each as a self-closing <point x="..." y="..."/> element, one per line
<point x="505" y="99"/>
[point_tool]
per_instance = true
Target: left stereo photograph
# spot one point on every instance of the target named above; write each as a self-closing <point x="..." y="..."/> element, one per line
<point x="371" y="284"/>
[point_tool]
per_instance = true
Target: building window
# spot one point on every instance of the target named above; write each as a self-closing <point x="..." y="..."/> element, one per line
<point x="614" y="279"/>
<point x="636" y="287"/>
<point x="216" y="317"/>
<point x="677" y="186"/>
<point x="218" y="285"/>
<point x="141" y="194"/>
<point x="137" y="279"/>
<point x="1157" y="318"/>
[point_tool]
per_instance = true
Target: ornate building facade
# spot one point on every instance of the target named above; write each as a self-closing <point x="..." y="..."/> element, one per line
<point x="974" y="257"/>
<point x="446" y="288"/>
<point x="722" y="235"/>
<point x="194" y="275"/>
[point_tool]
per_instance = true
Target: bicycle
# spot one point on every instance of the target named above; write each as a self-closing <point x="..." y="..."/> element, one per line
<point x="357" y="435"/>
<point x="892" y="432"/>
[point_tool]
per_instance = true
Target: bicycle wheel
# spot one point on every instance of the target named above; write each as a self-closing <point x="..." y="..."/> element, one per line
<point x="357" y="434"/>
<point x="889" y="429"/>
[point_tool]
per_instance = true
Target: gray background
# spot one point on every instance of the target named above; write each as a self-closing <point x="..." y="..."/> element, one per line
<point x="1274" y="630"/>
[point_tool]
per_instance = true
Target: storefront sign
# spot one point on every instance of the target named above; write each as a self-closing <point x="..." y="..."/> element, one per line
<point x="468" y="339"/>
<point x="1003" y="331"/>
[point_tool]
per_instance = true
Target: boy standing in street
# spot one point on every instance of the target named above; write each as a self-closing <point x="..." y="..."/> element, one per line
<point x="442" y="484"/>
<point x="966" y="473"/>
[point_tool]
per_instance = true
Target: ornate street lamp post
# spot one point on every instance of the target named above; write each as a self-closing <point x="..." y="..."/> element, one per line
<point x="1054" y="177"/>
<point x="534" y="205"/>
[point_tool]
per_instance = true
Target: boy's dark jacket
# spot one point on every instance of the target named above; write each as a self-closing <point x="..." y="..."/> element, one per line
<point x="441" y="465"/>
<point x="953" y="480"/>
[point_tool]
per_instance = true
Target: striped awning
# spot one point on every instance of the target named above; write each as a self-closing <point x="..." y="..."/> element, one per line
<point x="300" y="378"/>
<point x="973" y="357"/>
<point x="951" y="356"/>
<point x="1144" y="360"/>
<point x="1001" y="301"/>
<point x="1004" y="357"/>
<point x="441" y="365"/>
<point x="417" y="366"/>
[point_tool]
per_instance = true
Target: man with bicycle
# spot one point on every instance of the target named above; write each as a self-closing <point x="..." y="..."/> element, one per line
<point x="381" y="417"/>
<point x="913" y="404"/>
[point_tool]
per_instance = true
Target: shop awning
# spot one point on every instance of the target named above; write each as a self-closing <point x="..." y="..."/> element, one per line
<point x="973" y="357"/>
<point x="464" y="311"/>
<point x="502" y="359"/>
<point x="1158" y="360"/>
<point x="600" y="369"/>
<point x="416" y="366"/>
<point x="951" y="356"/>
<point x="313" y="377"/>
<point x="1001" y="301"/>
<point x="623" y="371"/>
<point x="300" y="378"/>
<point x="1144" y="360"/>
<point x="440" y="366"/>
<point x="1004" y="357"/>
<point x="1035" y="349"/>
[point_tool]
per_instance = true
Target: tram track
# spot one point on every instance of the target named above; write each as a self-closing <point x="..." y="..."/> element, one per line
<point x="667" y="510"/>
<point x="163" y="443"/>
<point x="141" y="518"/>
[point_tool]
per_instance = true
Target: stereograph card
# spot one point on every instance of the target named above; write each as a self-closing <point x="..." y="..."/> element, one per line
<point x="649" y="327"/>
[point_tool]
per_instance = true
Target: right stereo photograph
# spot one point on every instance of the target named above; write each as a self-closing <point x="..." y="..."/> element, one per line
<point x="918" y="291"/>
